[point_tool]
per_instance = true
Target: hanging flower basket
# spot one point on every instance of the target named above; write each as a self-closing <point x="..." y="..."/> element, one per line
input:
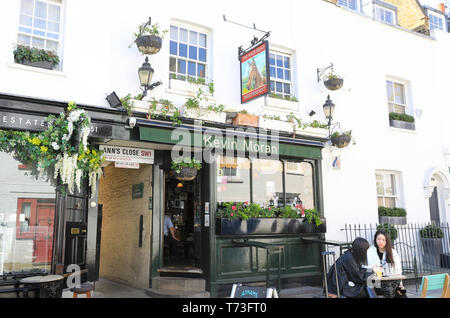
<point x="341" y="140"/>
<point x="149" y="44"/>
<point x="334" y="83"/>
<point x="185" y="169"/>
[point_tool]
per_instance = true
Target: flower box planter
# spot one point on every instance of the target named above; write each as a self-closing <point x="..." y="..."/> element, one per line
<point x="205" y="114"/>
<point x="149" y="44"/>
<point x="40" y="64"/>
<point x="394" y="220"/>
<point x="245" y="120"/>
<point x="334" y="83"/>
<point x="402" y="124"/>
<point x="341" y="141"/>
<point x="264" y="226"/>
<point x="191" y="88"/>
<point x="274" y="124"/>
<point x="281" y="103"/>
<point x="311" y="131"/>
<point x="186" y="174"/>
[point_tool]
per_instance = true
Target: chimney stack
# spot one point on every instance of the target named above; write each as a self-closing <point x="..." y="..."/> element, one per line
<point x="441" y="6"/>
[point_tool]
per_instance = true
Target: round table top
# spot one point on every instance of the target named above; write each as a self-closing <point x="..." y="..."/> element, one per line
<point x="390" y="277"/>
<point x="41" y="279"/>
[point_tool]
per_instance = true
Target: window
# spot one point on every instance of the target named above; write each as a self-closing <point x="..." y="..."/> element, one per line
<point x="267" y="182"/>
<point x="233" y="179"/>
<point x="436" y="22"/>
<point x="384" y="15"/>
<point x="40" y="24"/>
<point x="387" y="194"/>
<point x="299" y="184"/>
<point x="280" y="75"/>
<point x="188" y="54"/>
<point x="396" y="97"/>
<point x="351" y="4"/>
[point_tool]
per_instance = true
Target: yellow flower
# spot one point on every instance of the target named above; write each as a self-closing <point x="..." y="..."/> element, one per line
<point x="36" y="141"/>
<point x="80" y="157"/>
<point x="44" y="149"/>
<point x="87" y="151"/>
<point x="94" y="152"/>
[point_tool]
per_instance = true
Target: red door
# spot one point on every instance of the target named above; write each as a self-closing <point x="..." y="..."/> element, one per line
<point x="43" y="241"/>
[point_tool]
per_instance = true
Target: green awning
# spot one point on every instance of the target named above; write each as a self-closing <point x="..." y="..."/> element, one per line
<point x="185" y="137"/>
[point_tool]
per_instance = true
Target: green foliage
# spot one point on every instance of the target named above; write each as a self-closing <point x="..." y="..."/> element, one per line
<point x="127" y="104"/>
<point x="383" y="211"/>
<point x="42" y="150"/>
<point x="152" y="29"/>
<point x="291" y="98"/>
<point x="389" y="228"/>
<point x="271" y="117"/>
<point x="185" y="162"/>
<point x="332" y="75"/>
<point x="22" y="53"/>
<point x="401" y="117"/>
<point x="431" y="231"/>
<point x="345" y="133"/>
<point x="313" y="215"/>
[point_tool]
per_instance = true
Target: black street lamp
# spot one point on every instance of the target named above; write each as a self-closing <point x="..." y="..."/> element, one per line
<point x="328" y="109"/>
<point x="146" y="72"/>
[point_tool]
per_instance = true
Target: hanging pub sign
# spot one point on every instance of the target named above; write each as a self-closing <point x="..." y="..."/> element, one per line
<point x="254" y="66"/>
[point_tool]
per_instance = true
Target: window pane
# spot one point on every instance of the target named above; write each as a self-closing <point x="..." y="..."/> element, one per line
<point x="53" y="13"/>
<point x="202" y="40"/>
<point x="202" y="54"/>
<point x="380" y="201"/>
<point x="41" y="24"/>
<point x="26" y="7"/>
<point x="25" y="20"/>
<point x="53" y="35"/>
<point x="23" y="39"/>
<point x="182" y="66"/>
<point x="38" y="43"/>
<point x="280" y="73"/>
<point x="389" y="184"/>
<point x="272" y="86"/>
<point x="183" y="50"/>
<point x="287" y="62"/>
<point x="279" y="61"/>
<point x="25" y="30"/>
<point x="272" y="59"/>
<point x="287" y="89"/>
<point x="390" y="91"/>
<point x="235" y="188"/>
<point x="183" y="35"/>
<point x="201" y="70"/>
<point x="40" y="10"/>
<point x="389" y="202"/>
<point x="192" y="52"/>
<point x="380" y="184"/>
<point x="37" y="32"/>
<point x="299" y="184"/>
<point x="399" y="109"/>
<point x="173" y="64"/>
<point x="24" y="217"/>
<point x="173" y="48"/>
<point x="279" y="87"/>
<point x="173" y="33"/>
<point x="193" y="37"/>
<point x="398" y="91"/>
<point x="272" y="72"/>
<point x="191" y="68"/>
<point x="267" y="182"/>
<point x="287" y="75"/>
<point x="52" y="46"/>
<point x="53" y="27"/>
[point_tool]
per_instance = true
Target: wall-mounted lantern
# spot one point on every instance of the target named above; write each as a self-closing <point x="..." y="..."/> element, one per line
<point x="146" y="72"/>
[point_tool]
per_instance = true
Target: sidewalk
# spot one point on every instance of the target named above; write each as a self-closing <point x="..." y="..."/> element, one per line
<point x="109" y="289"/>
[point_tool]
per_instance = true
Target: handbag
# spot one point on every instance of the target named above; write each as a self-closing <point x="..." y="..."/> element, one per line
<point x="400" y="293"/>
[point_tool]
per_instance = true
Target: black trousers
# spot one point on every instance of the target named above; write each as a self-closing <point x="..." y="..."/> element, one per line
<point x="172" y="243"/>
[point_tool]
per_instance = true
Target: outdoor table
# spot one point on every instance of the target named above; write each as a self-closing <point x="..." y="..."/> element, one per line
<point x="49" y="286"/>
<point x="374" y="277"/>
<point x="341" y="244"/>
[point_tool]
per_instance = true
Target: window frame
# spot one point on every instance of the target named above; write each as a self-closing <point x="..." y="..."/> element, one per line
<point x="432" y="15"/>
<point x="397" y="188"/>
<point x="283" y="81"/>
<point x="347" y="5"/>
<point x="394" y="103"/>
<point x="380" y="5"/>
<point x="199" y="30"/>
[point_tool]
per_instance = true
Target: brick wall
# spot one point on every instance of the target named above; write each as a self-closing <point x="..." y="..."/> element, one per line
<point x="121" y="259"/>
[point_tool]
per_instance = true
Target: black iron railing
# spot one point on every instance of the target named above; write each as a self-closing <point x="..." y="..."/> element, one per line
<point x="420" y="254"/>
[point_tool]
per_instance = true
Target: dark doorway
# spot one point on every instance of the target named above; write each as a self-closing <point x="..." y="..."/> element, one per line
<point x="434" y="208"/>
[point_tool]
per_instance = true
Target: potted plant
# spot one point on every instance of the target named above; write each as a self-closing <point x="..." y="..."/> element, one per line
<point x="333" y="81"/>
<point x="431" y="236"/>
<point x="275" y="122"/>
<point x="395" y="216"/>
<point x="402" y="121"/>
<point x="341" y="140"/>
<point x="390" y="229"/>
<point x="35" y="57"/>
<point x="185" y="168"/>
<point x="202" y="108"/>
<point x="243" y="218"/>
<point x="243" y="118"/>
<point x="289" y="102"/>
<point x="149" y="38"/>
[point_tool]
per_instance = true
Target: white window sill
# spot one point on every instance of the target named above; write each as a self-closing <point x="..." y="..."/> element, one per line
<point x="409" y="131"/>
<point x="36" y="69"/>
<point x="187" y="89"/>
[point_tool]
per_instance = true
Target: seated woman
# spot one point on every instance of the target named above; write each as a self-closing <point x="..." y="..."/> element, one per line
<point x="381" y="257"/>
<point x="352" y="276"/>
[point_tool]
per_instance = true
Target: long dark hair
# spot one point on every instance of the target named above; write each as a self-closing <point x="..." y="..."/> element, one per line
<point x="359" y="250"/>
<point x="387" y="247"/>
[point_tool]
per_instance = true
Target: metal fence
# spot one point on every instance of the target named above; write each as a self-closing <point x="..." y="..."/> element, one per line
<point x="420" y="256"/>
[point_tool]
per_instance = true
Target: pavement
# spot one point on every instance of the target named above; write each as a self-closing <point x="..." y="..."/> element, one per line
<point x="108" y="289"/>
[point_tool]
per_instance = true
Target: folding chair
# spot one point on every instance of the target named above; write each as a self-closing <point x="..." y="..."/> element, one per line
<point x="435" y="282"/>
